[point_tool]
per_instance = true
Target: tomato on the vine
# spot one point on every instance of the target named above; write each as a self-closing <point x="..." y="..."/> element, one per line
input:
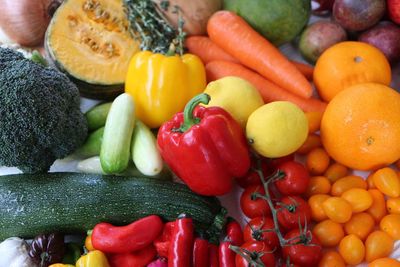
<point x="296" y="178"/>
<point x="304" y="249"/>
<point x="252" y="204"/>
<point x="261" y="229"/>
<point x="291" y="211"/>
<point x="255" y="252"/>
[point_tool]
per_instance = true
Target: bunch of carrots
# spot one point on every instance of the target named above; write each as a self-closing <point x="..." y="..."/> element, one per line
<point x="234" y="48"/>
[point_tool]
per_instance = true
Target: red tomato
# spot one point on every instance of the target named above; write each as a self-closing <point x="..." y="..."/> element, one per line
<point x="291" y="210"/>
<point x="277" y="161"/>
<point x="304" y="249"/>
<point x="296" y="179"/>
<point x="253" y="206"/>
<point x="257" y="230"/>
<point x="257" y="252"/>
<point x="252" y="177"/>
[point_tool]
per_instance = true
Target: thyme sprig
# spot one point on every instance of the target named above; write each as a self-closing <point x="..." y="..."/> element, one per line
<point x="149" y="27"/>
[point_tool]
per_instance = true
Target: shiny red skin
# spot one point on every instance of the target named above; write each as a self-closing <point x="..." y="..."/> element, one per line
<point x="234" y="233"/>
<point x="289" y="219"/>
<point x="210" y="154"/>
<point x="393" y="7"/>
<point x="307" y="254"/>
<point x="296" y="179"/>
<point x="181" y="246"/>
<point x="254" y="206"/>
<point x="268" y="259"/>
<point x="252" y="231"/>
<point x="132" y="237"/>
<point x="201" y="257"/>
<point x="133" y="259"/>
<point x="226" y="255"/>
<point x="163" y="241"/>
<point x="213" y="252"/>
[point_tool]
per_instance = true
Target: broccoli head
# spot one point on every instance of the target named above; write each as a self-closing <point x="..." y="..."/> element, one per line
<point x="40" y="117"/>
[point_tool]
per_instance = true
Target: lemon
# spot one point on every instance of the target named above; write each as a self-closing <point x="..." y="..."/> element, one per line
<point x="237" y="96"/>
<point x="277" y="129"/>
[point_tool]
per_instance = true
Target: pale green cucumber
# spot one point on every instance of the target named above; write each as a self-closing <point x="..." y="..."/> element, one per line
<point x="92" y="145"/>
<point x="96" y="117"/>
<point x="93" y="166"/>
<point x="144" y="150"/>
<point x="115" y="149"/>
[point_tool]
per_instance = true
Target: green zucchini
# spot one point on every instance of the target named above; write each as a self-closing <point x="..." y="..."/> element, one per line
<point x="115" y="148"/>
<point x="73" y="203"/>
<point x="96" y="117"/>
<point x="144" y="150"/>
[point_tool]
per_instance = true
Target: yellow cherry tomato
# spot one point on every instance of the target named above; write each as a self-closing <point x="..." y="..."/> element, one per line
<point x="88" y="243"/>
<point x="346" y="183"/>
<point x="360" y="224"/>
<point x="312" y="141"/>
<point x="336" y="171"/>
<point x="391" y="225"/>
<point x="370" y="181"/>
<point x="318" y="185"/>
<point x="393" y="205"/>
<point x="352" y="249"/>
<point x="385" y="262"/>
<point x="317" y="161"/>
<point x="317" y="212"/>
<point x="337" y="209"/>
<point x="387" y="181"/>
<point x="359" y="199"/>
<point x="378" y="207"/>
<point x="328" y="232"/>
<point x="314" y="120"/>
<point x="331" y="258"/>
<point x="378" y="245"/>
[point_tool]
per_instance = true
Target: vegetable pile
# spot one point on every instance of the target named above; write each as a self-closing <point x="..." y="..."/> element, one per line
<point x="200" y="107"/>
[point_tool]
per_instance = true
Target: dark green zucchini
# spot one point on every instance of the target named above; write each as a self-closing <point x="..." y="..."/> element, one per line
<point x="73" y="203"/>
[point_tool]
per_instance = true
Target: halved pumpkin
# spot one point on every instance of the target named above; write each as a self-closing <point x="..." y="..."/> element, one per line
<point x="90" y="41"/>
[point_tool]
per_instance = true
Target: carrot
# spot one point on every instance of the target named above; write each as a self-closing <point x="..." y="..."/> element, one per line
<point x="268" y="90"/>
<point x="307" y="70"/>
<point x="206" y="50"/>
<point x="234" y="35"/>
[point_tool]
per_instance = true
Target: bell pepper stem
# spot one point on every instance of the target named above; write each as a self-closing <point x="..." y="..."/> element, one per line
<point x="188" y="119"/>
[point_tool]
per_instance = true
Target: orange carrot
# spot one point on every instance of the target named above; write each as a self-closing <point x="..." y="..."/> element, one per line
<point x="206" y="50"/>
<point x="268" y="90"/>
<point x="307" y="70"/>
<point x="234" y="35"/>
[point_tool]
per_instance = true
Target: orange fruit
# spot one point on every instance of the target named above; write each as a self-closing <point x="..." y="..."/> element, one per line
<point x="349" y="63"/>
<point x="361" y="128"/>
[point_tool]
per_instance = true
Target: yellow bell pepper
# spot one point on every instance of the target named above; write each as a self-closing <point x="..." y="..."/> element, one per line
<point x="61" y="265"/>
<point x="161" y="85"/>
<point x="94" y="258"/>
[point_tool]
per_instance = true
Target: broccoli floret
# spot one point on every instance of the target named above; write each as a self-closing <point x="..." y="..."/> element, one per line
<point x="40" y="117"/>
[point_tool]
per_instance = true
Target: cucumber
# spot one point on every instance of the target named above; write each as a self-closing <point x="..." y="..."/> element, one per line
<point x="92" y="145"/>
<point x="93" y="165"/>
<point x="96" y="117"/>
<point x="73" y="203"/>
<point x="144" y="150"/>
<point x="115" y="148"/>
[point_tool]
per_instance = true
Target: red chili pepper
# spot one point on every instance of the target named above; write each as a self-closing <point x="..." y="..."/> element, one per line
<point x="121" y="239"/>
<point x="200" y="253"/>
<point x="214" y="257"/>
<point x="205" y="147"/>
<point x="133" y="259"/>
<point x="226" y="255"/>
<point x="234" y="233"/>
<point x="162" y="243"/>
<point x="181" y="246"/>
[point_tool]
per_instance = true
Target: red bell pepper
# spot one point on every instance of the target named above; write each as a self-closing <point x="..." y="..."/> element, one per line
<point x="181" y="246"/>
<point x="205" y="147"/>
<point x="200" y="253"/>
<point x="139" y="258"/>
<point x="162" y="243"/>
<point x="121" y="239"/>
